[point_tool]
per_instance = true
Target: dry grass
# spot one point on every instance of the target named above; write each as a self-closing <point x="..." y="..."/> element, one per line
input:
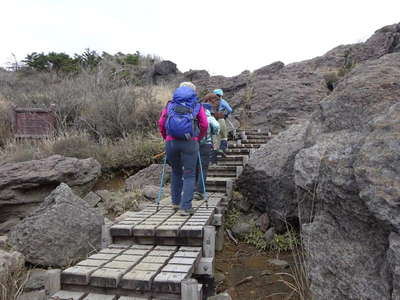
<point x="99" y="114"/>
<point x="12" y="285"/>
<point x="135" y="150"/>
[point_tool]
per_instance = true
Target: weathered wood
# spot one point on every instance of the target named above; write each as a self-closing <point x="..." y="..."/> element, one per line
<point x="190" y="290"/>
<point x="106" y="278"/>
<point x="219" y="238"/>
<point x="205" y="266"/>
<point x="209" y="241"/>
<point x="68" y="295"/>
<point x="53" y="283"/>
<point x="106" y="238"/>
<point x="77" y="275"/>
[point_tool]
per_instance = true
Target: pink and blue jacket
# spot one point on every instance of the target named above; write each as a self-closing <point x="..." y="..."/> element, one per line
<point x="184" y="94"/>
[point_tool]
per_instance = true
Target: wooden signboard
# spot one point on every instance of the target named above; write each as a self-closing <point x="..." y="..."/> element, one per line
<point x="33" y="122"/>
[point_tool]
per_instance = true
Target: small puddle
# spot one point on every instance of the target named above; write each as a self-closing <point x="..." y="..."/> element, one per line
<point x="242" y="262"/>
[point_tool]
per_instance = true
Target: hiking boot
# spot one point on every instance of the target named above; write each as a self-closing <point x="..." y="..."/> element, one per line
<point x="186" y="212"/>
<point x="197" y="196"/>
<point x="175" y="207"/>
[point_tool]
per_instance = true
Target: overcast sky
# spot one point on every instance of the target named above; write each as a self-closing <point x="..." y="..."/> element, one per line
<point x="222" y="36"/>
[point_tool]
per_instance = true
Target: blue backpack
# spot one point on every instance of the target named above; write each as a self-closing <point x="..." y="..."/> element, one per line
<point x="182" y="121"/>
<point x="182" y="114"/>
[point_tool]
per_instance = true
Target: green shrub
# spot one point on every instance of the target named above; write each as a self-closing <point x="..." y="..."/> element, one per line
<point x="285" y="242"/>
<point x="256" y="239"/>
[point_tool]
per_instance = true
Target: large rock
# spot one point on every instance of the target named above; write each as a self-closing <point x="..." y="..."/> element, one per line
<point x="24" y="185"/>
<point x="268" y="180"/>
<point x="148" y="176"/>
<point x="352" y="162"/>
<point x="62" y="230"/>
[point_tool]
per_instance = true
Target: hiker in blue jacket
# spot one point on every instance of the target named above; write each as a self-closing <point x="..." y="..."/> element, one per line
<point x="206" y="148"/>
<point x="223" y="111"/>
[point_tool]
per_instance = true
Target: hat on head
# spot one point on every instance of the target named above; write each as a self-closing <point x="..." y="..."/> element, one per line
<point x="188" y="84"/>
<point x="218" y="92"/>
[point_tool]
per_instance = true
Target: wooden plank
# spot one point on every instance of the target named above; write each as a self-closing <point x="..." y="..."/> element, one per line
<point x="209" y="241"/>
<point x="93" y="296"/>
<point x="106" y="278"/>
<point x="167" y="282"/>
<point x="68" y="295"/>
<point x="78" y="275"/>
<point x="92" y="263"/>
<point x="205" y="266"/>
<point x="103" y="256"/>
<point x="128" y="258"/>
<point x="138" y="280"/>
<point x="147" y="267"/>
<point x="189" y="289"/>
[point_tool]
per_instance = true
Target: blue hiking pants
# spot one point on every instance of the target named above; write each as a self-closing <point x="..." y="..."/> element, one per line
<point x="182" y="156"/>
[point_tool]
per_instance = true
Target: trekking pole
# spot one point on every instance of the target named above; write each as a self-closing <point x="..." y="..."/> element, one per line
<point x="202" y="181"/>
<point x="160" y="192"/>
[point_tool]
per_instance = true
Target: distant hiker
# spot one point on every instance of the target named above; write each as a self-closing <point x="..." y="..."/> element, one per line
<point x="182" y="124"/>
<point x="206" y="148"/>
<point x="222" y="112"/>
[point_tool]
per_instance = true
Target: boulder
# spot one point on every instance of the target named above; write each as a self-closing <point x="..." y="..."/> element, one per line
<point x="351" y="161"/>
<point x="267" y="180"/>
<point x="148" y="176"/>
<point x="165" y="67"/>
<point x="269" y="234"/>
<point x="24" y="185"/>
<point x="62" y="230"/>
<point x="241" y="228"/>
<point x="150" y="192"/>
<point x="115" y="203"/>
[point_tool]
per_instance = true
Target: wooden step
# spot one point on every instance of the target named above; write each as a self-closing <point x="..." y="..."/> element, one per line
<point x="238" y="151"/>
<point x="219" y="184"/>
<point x="225" y="171"/>
<point x="165" y="226"/>
<point x="235" y="145"/>
<point x="233" y="160"/>
<point x="131" y="270"/>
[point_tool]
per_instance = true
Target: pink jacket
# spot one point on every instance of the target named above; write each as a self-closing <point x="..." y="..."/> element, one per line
<point x="201" y="117"/>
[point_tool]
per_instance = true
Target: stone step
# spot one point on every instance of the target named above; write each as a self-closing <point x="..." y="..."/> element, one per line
<point x="130" y="270"/>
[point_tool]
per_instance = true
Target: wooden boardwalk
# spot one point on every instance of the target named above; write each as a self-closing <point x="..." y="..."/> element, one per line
<point x="158" y="254"/>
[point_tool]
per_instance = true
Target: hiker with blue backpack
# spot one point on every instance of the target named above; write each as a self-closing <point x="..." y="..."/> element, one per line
<point x="222" y="112"/>
<point x="206" y="147"/>
<point x="183" y="123"/>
